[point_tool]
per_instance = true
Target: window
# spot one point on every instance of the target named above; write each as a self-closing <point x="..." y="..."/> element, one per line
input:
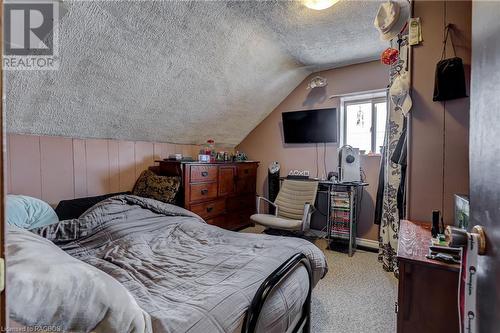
<point x="363" y="120"/>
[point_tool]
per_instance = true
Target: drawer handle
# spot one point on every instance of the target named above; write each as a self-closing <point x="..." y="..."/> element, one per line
<point x="204" y="191"/>
<point x="204" y="173"/>
<point x="209" y="209"/>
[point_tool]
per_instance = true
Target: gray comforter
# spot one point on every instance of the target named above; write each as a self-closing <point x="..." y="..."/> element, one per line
<point x="186" y="275"/>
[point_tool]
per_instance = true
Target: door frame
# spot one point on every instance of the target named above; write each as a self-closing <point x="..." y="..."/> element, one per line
<point x="3" y="308"/>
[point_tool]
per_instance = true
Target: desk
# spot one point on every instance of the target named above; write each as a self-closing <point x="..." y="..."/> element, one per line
<point x="342" y="214"/>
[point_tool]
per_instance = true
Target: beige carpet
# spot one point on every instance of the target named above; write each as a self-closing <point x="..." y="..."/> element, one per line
<point x="356" y="296"/>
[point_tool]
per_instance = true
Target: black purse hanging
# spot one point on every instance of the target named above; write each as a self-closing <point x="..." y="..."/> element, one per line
<point x="449" y="82"/>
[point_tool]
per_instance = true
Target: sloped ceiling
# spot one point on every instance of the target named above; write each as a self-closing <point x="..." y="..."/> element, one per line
<point x="183" y="71"/>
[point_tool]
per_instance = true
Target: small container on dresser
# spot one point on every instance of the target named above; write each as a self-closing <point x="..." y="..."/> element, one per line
<point x="221" y="193"/>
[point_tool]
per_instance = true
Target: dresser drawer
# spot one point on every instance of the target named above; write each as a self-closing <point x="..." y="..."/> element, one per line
<point x="203" y="173"/>
<point x="209" y="209"/>
<point x="246" y="185"/>
<point x="219" y="221"/>
<point x="202" y="191"/>
<point x="244" y="202"/>
<point x="238" y="220"/>
<point x="247" y="170"/>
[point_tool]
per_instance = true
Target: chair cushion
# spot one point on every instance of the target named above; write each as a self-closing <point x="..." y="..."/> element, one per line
<point x="292" y="197"/>
<point x="276" y="222"/>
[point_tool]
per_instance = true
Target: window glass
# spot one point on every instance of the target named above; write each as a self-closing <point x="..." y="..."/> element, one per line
<point x="365" y="123"/>
<point x="358" y="126"/>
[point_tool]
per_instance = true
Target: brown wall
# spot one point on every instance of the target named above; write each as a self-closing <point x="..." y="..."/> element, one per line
<point x="265" y="142"/>
<point x="435" y="123"/>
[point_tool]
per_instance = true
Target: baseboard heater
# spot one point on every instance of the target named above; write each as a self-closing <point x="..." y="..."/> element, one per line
<point x="368" y="243"/>
<point x="265" y="289"/>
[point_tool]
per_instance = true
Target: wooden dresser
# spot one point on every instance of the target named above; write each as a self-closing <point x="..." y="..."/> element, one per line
<point x="428" y="289"/>
<point x="221" y="193"/>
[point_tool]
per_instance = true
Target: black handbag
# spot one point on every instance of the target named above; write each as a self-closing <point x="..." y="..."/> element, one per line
<point x="449" y="81"/>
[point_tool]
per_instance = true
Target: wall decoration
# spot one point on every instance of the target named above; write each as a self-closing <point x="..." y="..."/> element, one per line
<point x="317" y="82"/>
<point x="389" y="56"/>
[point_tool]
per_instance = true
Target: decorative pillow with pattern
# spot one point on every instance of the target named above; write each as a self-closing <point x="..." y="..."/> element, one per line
<point x="161" y="188"/>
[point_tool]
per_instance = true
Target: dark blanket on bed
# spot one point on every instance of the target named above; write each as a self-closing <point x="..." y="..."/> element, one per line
<point x="73" y="208"/>
<point x="187" y="275"/>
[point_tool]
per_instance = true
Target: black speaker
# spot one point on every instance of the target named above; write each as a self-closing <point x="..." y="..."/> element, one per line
<point x="273" y="183"/>
<point x="435" y="223"/>
<point x="320" y="215"/>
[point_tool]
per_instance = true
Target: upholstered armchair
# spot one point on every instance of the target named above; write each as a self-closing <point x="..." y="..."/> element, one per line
<point x="293" y="206"/>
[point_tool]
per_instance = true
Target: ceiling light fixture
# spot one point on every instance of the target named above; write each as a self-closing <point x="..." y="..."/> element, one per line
<point x="319" y="4"/>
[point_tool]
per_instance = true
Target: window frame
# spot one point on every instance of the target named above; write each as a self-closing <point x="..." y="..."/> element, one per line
<point x="372" y="98"/>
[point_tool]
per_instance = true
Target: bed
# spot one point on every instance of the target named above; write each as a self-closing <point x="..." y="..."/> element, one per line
<point x="162" y="268"/>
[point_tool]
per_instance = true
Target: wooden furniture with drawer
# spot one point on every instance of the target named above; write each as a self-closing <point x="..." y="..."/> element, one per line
<point x="221" y="193"/>
<point x="428" y="289"/>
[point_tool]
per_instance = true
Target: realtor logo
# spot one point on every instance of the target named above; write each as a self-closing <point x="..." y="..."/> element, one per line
<point x="30" y="41"/>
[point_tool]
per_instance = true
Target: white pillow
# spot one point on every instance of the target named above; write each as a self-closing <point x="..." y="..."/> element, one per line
<point x="28" y="213"/>
<point x="48" y="287"/>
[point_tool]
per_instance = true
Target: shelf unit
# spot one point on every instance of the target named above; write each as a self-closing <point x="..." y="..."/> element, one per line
<point x="343" y="213"/>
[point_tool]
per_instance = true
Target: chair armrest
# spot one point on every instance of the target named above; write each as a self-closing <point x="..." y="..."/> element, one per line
<point x="269" y="202"/>
<point x="306" y="218"/>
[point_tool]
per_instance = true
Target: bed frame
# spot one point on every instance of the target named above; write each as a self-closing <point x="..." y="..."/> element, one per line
<point x="265" y="289"/>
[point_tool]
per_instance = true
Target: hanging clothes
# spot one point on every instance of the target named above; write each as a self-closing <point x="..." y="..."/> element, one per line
<point x="380" y="191"/>
<point x="399" y="157"/>
<point x="390" y="194"/>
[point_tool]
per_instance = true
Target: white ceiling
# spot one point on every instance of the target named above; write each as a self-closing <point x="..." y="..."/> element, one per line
<point x="183" y="71"/>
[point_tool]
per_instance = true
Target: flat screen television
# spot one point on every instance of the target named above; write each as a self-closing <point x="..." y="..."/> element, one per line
<point x="311" y="126"/>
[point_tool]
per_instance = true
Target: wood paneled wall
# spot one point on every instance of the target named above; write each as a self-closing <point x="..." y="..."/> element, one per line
<point x="57" y="168"/>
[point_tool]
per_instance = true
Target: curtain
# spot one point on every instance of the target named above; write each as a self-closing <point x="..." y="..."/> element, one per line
<point x="390" y="196"/>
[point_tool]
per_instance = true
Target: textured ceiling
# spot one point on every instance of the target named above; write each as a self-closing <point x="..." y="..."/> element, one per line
<point x="183" y="71"/>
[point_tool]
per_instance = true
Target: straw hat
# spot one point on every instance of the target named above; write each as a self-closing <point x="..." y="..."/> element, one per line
<point x="391" y="18"/>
